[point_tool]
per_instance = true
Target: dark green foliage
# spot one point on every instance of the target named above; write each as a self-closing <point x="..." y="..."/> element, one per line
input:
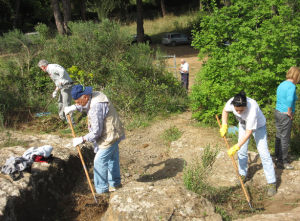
<point x="97" y="55"/>
<point x="127" y="73"/>
<point x="264" y="37"/>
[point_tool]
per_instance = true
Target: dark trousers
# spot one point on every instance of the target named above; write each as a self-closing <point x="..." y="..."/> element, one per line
<point x="185" y="80"/>
<point x="283" y="135"/>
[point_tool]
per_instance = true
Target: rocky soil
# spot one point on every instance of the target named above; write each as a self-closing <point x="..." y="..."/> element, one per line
<point x="152" y="177"/>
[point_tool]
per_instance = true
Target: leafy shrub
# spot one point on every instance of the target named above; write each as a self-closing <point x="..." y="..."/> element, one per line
<point x="98" y="55"/>
<point x="264" y="39"/>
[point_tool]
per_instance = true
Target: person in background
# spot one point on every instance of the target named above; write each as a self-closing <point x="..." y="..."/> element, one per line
<point x="184" y="71"/>
<point x="106" y="132"/>
<point x="251" y="121"/>
<point x="63" y="82"/>
<point x="284" y="113"/>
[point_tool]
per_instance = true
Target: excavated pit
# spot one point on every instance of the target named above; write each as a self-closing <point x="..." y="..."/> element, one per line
<point x="57" y="190"/>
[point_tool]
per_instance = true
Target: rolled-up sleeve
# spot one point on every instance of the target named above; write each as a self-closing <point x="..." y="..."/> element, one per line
<point x="97" y="114"/>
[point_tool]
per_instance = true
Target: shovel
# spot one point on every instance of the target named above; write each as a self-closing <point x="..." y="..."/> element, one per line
<point x="82" y="161"/>
<point x="237" y="171"/>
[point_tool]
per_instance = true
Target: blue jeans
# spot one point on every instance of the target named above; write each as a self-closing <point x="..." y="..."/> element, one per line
<point x="107" y="168"/>
<point x="260" y="136"/>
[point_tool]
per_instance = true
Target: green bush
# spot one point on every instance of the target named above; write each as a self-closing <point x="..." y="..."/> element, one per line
<point x="264" y="39"/>
<point x="98" y="55"/>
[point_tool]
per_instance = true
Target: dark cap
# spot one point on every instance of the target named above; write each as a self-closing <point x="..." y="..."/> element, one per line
<point x="79" y="90"/>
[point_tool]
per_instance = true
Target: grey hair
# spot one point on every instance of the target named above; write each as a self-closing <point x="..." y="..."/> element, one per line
<point x="43" y="63"/>
<point x="183" y="60"/>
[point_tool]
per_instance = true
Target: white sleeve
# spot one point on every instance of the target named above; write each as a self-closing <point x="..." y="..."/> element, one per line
<point x="229" y="107"/>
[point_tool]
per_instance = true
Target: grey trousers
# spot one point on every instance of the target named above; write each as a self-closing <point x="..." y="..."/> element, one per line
<point x="64" y="100"/>
<point x="283" y="135"/>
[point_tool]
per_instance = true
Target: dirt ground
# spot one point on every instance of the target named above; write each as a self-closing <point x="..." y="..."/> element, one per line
<point x="144" y="146"/>
<point x="183" y="51"/>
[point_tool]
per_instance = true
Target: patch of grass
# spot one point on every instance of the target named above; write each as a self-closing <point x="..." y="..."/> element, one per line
<point x="136" y="121"/>
<point x="9" y="141"/>
<point x="171" y="134"/>
<point x="223" y="213"/>
<point x="157" y="27"/>
<point x="197" y="173"/>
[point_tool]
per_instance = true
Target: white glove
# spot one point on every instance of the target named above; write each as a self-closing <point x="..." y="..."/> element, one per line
<point x="70" y="109"/>
<point x="77" y="141"/>
<point x="54" y="93"/>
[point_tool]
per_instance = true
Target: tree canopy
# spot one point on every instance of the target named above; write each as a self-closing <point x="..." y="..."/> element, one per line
<point x="262" y="44"/>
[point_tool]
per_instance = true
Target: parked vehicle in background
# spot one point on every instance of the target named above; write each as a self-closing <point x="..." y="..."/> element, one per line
<point x="147" y="38"/>
<point x="174" y="39"/>
<point x="32" y="37"/>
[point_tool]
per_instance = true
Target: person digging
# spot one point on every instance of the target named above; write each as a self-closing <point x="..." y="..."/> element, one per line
<point x="105" y="132"/>
<point x="251" y="121"/>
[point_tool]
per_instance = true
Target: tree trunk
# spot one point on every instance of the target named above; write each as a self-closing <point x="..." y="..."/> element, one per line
<point x="83" y="10"/>
<point x="163" y="8"/>
<point x="67" y="13"/>
<point x="201" y="5"/>
<point x="127" y="14"/>
<point x="58" y="18"/>
<point x="16" y="13"/>
<point x="140" y="21"/>
<point x="227" y="3"/>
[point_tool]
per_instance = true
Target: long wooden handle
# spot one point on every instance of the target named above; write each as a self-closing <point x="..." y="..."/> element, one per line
<point x="48" y="104"/>
<point x="235" y="166"/>
<point x="82" y="161"/>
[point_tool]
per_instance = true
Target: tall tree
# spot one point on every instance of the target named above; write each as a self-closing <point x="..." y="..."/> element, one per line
<point x="67" y="13"/>
<point x="83" y="9"/>
<point x="140" y="21"/>
<point x="58" y="17"/>
<point x="126" y="4"/>
<point x="201" y="5"/>
<point x="17" y="8"/>
<point x="163" y="7"/>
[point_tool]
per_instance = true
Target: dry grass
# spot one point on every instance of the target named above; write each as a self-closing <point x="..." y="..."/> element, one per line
<point x="157" y="27"/>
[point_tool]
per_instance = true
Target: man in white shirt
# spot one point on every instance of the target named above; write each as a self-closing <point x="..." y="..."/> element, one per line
<point x="184" y="71"/>
<point x="63" y="82"/>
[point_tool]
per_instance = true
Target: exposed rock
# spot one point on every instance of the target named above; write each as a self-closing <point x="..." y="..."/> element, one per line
<point x="140" y="201"/>
<point x="34" y="195"/>
<point x="291" y="215"/>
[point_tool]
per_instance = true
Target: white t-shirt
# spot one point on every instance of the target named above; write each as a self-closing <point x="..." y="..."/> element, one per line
<point x="184" y="67"/>
<point x="252" y="117"/>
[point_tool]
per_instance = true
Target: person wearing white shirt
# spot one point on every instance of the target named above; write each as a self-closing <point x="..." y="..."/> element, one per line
<point x="63" y="82"/>
<point x="184" y="71"/>
<point x="251" y="121"/>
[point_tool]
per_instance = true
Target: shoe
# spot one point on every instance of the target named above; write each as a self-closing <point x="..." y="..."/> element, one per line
<point x="103" y="195"/>
<point x="285" y="166"/>
<point x="113" y="189"/>
<point x="243" y="179"/>
<point x="271" y="189"/>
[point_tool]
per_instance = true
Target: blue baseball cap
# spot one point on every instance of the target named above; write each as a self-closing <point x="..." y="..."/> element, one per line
<point x="79" y="90"/>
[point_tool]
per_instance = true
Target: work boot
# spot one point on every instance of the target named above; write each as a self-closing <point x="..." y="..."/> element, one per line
<point x="243" y="179"/>
<point x="105" y="195"/>
<point x="271" y="189"/>
<point x="113" y="189"/>
<point x="285" y="165"/>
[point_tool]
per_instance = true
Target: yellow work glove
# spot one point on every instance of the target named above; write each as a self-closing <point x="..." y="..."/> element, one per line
<point x="223" y="130"/>
<point x="233" y="150"/>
